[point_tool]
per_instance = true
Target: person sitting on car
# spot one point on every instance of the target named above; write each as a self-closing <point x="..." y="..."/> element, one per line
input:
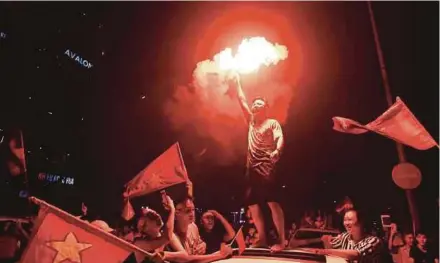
<point x="215" y="230"/>
<point x="355" y="244"/>
<point x="320" y="222"/>
<point x="307" y="220"/>
<point x="186" y="244"/>
<point x="152" y="239"/>
<point x="251" y="237"/>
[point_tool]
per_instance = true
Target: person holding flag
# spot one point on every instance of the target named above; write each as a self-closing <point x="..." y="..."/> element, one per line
<point x="61" y="237"/>
<point x="152" y="239"/>
<point x="265" y="144"/>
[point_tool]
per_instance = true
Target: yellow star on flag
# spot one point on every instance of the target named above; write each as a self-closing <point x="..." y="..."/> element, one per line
<point x="69" y="249"/>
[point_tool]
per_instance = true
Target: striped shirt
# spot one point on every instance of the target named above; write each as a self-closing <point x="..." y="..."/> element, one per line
<point x="261" y="143"/>
<point x="369" y="248"/>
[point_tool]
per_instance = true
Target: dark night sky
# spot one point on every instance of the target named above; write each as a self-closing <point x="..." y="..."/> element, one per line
<point x="150" y="47"/>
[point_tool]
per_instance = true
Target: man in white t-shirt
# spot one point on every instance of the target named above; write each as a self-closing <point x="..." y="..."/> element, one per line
<point x="265" y="144"/>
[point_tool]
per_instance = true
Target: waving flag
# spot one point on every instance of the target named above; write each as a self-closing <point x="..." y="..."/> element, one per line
<point x="166" y="170"/>
<point x="397" y="123"/>
<point x="13" y="176"/>
<point x="239" y="239"/>
<point x="60" y="237"/>
<point x="12" y="149"/>
<point x="128" y="211"/>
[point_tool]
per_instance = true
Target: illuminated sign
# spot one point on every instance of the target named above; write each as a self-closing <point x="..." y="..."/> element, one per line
<point x="2" y="35"/>
<point x="54" y="178"/>
<point x="83" y="62"/>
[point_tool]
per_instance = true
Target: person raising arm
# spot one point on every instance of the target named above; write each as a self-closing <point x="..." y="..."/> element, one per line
<point x="265" y="144"/>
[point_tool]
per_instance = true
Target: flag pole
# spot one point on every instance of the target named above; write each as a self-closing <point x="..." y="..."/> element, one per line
<point x="185" y="173"/>
<point x="26" y="178"/>
<point x="400" y="149"/>
<point x="24" y="159"/>
<point x="236" y="235"/>
<point x="181" y="157"/>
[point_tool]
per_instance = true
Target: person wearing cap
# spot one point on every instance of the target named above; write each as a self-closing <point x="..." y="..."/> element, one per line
<point x="215" y="230"/>
<point x="103" y="226"/>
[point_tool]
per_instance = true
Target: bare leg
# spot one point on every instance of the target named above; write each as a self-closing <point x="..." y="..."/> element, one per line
<point x="278" y="220"/>
<point x="257" y="216"/>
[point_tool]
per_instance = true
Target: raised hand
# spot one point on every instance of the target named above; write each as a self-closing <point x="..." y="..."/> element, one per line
<point x="189" y="187"/>
<point x="274" y="156"/>
<point x="214" y="213"/>
<point x="84" y="208"/>
<point x="393" y="229"/>
<point x="236" y="76"/>
<point x="233" y="79"/>
<point x="168" y="203"/>
<point x="326" y="239"/>
<point x="200" y="249"/>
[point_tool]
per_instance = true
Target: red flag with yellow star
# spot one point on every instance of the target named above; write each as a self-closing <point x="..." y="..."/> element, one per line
<point x="60" y="237"/>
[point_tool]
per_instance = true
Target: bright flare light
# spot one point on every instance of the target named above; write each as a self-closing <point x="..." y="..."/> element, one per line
<point x="251" y="54"/>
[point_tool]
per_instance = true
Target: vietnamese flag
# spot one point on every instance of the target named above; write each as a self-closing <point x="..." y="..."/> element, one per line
<point x="60" y="237"/>
<point x="13" y="152"/>
<point x="239" y="239"/>
<point x="241" y="242"/>
<point x="128" y="211"/>
<point x="397" y="123"/>
<point x="166" y="170"/>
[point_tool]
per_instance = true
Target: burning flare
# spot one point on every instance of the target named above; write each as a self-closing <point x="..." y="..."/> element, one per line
<point x="251" y="54"/>
<point x="205" y="114"/>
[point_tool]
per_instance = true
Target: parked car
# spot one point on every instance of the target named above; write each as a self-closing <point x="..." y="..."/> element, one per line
<point x="260" y="255"/>
<point x="310" y="237"/>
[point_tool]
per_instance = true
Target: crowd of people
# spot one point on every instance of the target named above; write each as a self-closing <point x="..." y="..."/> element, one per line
<point x="181" y="236"/>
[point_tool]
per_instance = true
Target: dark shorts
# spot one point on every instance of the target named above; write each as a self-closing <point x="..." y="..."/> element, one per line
<point x="260" y="189"/>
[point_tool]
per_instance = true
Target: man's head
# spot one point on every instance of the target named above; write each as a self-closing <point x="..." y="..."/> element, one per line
<point x="294" y="226"/>
<point x="354" y="222"/>
<point x="208" y="221"/>
<point x="185" y="211"/>
<point x="308" y="216"/>
<point x="259" y="107"/>
<point x="421" y="239"/>
<point x="408" y="238"/>
<point x="319" y="222"/>
<point x="150" y="223"/>
<point x="252" y="231"/>
<point x="102" y="225"/>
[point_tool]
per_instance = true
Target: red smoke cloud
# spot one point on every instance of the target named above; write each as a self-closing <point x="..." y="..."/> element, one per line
<point x="209" y="123"/>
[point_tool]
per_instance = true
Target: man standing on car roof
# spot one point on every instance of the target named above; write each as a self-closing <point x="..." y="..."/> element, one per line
<point x="265" y="144"/>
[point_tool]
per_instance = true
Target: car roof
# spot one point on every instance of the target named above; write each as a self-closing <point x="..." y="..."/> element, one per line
<point x="257" y="255"/>
<point x="335" y="231"/>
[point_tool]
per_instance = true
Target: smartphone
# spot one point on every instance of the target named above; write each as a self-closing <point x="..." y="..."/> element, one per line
<point x="386" y="220"/>
<point x="23" y="194"/>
